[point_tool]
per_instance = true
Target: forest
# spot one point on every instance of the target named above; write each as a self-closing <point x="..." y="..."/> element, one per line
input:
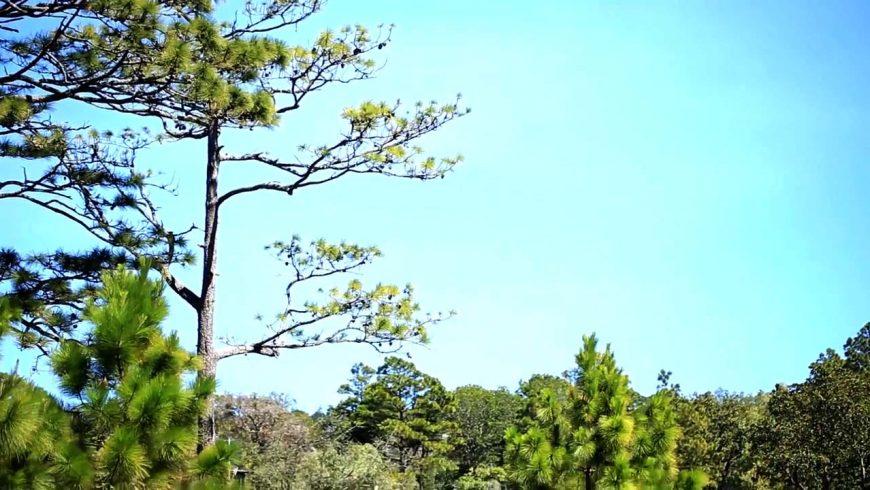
<point x="128" y="421"/>
<point x="123" y="400"/>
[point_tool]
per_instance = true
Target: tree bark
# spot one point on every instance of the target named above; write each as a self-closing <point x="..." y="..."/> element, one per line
<point x="205" y="313"/>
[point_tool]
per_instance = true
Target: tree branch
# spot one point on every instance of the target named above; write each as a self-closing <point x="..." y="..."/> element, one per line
<point x="383" y="317"/>
<point x="183" y="291"/>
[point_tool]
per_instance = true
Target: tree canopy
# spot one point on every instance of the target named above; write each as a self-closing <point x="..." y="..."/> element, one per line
<point x="404" y="411"/>
<point x="817" y="433"/>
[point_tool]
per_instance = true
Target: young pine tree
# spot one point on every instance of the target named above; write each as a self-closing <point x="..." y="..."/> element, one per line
<point x="128" y="420"/>
<point x="35" y="436"/>
<point x="593" y="437"/>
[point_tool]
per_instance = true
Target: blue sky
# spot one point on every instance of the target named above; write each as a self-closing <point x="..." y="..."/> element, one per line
<point x="685" y="179"/>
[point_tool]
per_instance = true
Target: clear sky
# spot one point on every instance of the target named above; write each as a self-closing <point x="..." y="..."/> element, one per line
<point x="686" y="179"/>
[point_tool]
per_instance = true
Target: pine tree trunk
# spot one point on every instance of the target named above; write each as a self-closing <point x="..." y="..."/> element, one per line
<point x="590" y="482"/>
<point x="205" y="326"/>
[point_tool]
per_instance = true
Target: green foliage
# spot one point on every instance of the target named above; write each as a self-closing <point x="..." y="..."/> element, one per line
<point x="36" y="441"/>
<point x="587" y="429"/>
<point x="272" y="438"/>
<point x="482" y="416"/>
<point x="382" y="316"/>
<point x="37" y="446"/>
<point x="41" y="285"/>
<point x="181" y="64"/>
<point x="349" y="468"/>
<point x="718" y="437"/>
<point x="812" y="434"/>
<point x="99" y="52"/>
<point x="483" y="478"/>
<point x="590" y="436"/>
<point x="129" y="421"/>
<point x="282" y="448"/>
<point x="818" y="431"/>
<point x="691" y="480"/>
<point x="403" y="411"/>
<point x="533" y="386"/>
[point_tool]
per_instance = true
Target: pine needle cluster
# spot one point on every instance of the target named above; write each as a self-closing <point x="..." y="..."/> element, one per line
<point x="126" y="418"/>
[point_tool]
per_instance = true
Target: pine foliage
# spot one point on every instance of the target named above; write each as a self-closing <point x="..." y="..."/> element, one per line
<point x="404" y="411"/>
<point x="127" y="419"/>
<point x="591" y="435"/>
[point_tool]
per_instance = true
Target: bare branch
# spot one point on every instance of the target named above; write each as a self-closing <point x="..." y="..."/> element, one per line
<point x="183" y="291"/>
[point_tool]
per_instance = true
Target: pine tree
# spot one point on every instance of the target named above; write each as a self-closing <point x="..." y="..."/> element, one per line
<point x="36" y="441"/>
<point x="591" y="437"/>
<point x="202" y="77"/>
<point x="80" y="52"/>
<point x="405" y="411"/>
<point x="126" y="420"/>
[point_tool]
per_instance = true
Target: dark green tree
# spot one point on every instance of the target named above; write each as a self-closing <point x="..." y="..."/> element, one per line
<point x="404" y="412"/>
<point x="482" y="416"/>
<point x="817" y="434"/>
<point x="719" y="437"/>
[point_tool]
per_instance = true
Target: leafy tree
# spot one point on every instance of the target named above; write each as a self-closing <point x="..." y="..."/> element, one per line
<point x="818" y="431"/>
<point x="348" y="468"/>
<point x="338" y="422"/>
<point x="591" y="438"/>
<point x="405" y="412"/>
<point x="211" y="77"/>
<point x="857" y="351"/>
<point x="273" y="439"/>
<point x="129" y="421"/>
<point x="718" y="437"/>
<point x="537" y="383"/>
<point x="483" y="478"/>
<point x="482" y="416"/>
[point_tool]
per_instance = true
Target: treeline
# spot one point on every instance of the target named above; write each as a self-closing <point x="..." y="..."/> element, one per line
<point x="126" y="418"/>
<point x="401" y="428"/>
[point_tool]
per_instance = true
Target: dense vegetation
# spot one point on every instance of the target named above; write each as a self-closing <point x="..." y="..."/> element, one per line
<point x="135" y="409"/>
<point x="127" y="419"/>
<point x="585" y="429"/>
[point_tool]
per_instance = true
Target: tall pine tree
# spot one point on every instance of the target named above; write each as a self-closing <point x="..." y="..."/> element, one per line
<point x="201" y="77"/>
